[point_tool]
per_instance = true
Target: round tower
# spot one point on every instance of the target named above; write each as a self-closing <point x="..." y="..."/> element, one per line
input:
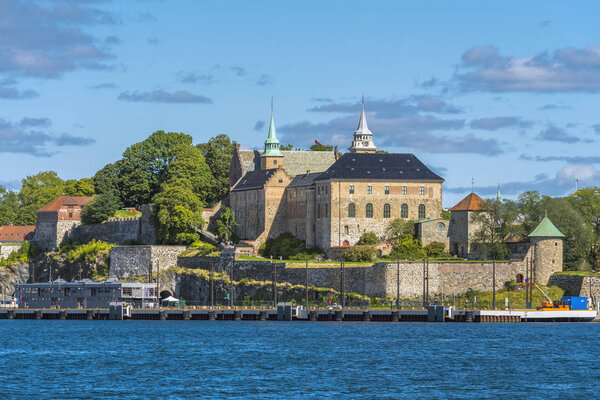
<point x="547" y="250"/>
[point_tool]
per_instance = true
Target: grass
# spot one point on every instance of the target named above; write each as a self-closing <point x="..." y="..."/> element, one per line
<point x="516" y="298"/>
<point x="126" y="214"/>
<point x="577" y="273"/>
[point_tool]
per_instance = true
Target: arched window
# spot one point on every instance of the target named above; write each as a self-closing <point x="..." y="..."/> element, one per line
<point x="369" y="211"/>
<point x="387" y="211"/>
<point x="421" y="211"/>
<point x="404" y="211"/>
<point x="351" y="210"/>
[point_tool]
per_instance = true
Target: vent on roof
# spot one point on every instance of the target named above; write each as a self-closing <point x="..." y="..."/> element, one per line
<point x="354" y="159"/>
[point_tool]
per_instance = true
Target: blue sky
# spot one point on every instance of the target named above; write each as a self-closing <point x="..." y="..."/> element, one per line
<point x="501" y="92"/>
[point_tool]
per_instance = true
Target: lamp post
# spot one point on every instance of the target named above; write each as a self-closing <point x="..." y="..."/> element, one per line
<point x="494" y="283"/>
<point x="306" y="282"/>
<point x="398" y="283"/>
<point x="274" y="282"/>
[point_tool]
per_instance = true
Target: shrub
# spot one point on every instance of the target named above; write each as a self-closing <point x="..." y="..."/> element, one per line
<point x="435" y="249"/>
<point x="287" y="247"/>
<point x="407" y="247"/>
<point x="24" y="254"/>
<point x="87" y="252"/>
<point x="360" y="254"/>
<point x="368" y="238"/>
<point x="100" y="208"/>
<point x="203" y="248"/>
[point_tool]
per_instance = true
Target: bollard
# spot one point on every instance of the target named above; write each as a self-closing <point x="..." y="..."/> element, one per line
<point x="468" y="316"/>
<point x="38" y="314"/>
<point x="212" y="315"/>
<point x="10" y="314"/>
<point x="313" y="315"/>
<point x="187" y="315"/>
<point x="237" y="315"/>
<point x="366" y="317"/>
<point x="89" y="314"/>
<point x="339" y="315"/>
<point x="395" y="317"/>
<point x="62" y="314"/>
<point x="262" y="315"/>
<point x="162" y="315"/>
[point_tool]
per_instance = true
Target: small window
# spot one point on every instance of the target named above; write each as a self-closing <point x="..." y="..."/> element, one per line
<point x="369" y="189"/>
<point x="346" y="230"/>
<point x="351" y="189"/>
<point x="280" y="180"/>
<point x="326" y="210"/>
<point x="369" y="211"/>
<point x="421" y="211"/>
<point x="351" y="210"/>
<point x="387" y="190"/>
<point x="318" y="211"/>
<point x="275" y="162"/>
<point x="422" y="190"/>
<point x="404" y="211"/>
<point x="386" y="211"/>
<point x="326" y="190"/>
<point x="404" y="190"/>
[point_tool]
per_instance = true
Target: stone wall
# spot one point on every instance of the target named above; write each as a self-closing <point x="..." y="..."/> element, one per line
<point x="128" y="261"/>
<point x="577" y="285"/>
<point x="114" y="231"/>
<point x="435" y="230"/>
<point x="7" y="249"/>
<point x="45" y="235"/>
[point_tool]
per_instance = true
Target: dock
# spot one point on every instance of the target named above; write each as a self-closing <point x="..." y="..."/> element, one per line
<point x="288" y="313"/>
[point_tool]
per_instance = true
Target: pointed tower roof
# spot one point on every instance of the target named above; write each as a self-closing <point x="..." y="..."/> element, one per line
<point x="471" y="203"/>
<point x="363" y="128"/>
<point x="546" y="229"/>
<point x="272" y="144"/>
<point x="363" y="137"/>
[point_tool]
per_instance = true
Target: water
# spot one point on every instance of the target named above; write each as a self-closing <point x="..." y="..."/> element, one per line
<point x="218" y="359"/>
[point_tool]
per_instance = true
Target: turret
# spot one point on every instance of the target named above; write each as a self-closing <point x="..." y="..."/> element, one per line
<point x="272" y="156"/>
<point x="363" y="138"/>
<point x="547" y="250"/>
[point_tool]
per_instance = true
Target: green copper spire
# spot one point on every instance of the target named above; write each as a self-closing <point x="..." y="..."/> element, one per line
<point x="272" y="144"/>
<point x="546" y="229"/>
<point x="498" y="194"/>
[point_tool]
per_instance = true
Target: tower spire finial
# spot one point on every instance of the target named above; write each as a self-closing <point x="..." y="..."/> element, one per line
<point x="271" y="105"/>
<point x="363" y="101"/>
<point x="472" y="185"/>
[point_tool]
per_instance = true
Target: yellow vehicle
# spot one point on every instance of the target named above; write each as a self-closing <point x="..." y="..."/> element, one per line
<point x="550" y="305"/>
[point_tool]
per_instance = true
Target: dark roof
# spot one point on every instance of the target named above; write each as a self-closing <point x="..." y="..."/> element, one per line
<point x="253" y="180"/>
<point x="294" y="162"/>
<point x="379" y="166"/>
<point x="304" y="180"/>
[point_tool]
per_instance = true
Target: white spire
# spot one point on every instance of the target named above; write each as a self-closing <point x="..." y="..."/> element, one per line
<point x="363" y="138"/>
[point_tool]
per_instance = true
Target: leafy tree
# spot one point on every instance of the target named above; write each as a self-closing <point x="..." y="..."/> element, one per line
<point x="398" y="228"/>
<point x="587" y="203"/>
<point x="435" y="249"/>
<point x="490" y="228"/>
<point x="106" y="180"/>
<point x="187" y="162"/>
<point x="9" y="206"/>
<point x="287" y="147"/>
<point x="368" y="238"/>
<point x="285" y="246"/>
<point x="408" y="247"/>
<point x="177" y="213"/>
<point x="446" y="214"/>
<point x="218" y="152"/>
<point x="37" y="190"/>
<point x="100" y="208"/>
<point x="225" y="225"/>
<point x="321" y="147"/>
<point x="355" y="254"/>
<point x="81" y="187"/>
<point x="144" y="166"/>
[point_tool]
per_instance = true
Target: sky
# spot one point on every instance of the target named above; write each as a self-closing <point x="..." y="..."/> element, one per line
<point x="494" y="93"/>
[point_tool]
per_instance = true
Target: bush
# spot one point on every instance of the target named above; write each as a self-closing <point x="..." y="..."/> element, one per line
<point x="360" y="254"/>
<point x="407" y="247"/>
<point x="75" y="251"/>
<point x="24" y="254"/>
<point x="287" y="247"/>
<point x="203" y="248"/>
<point x="368" y="238"/>
<point x="435" y="249"/>
<point x="100" y="208"/>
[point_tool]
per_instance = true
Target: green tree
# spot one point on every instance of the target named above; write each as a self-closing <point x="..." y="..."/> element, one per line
<point x="368" y="238"/>
<point x="177" y="213"/>
<point x="225" y="225"/>
<point x="145" y="165"/>
<point x="355" y="254"/>
<point x="81" y="187"/>
<point x="100" y="208"/>
<point x="9" y="206"/>
<point x="407" y="247"/>
<point x="187" y="162"/>
<point x="321" y="147"/>
<point x="435" y="249"/>
<point x="218" y="152"/>
<point x="106" y="180"/>
<point x="36" y="191"/>
<point x="490" y="229"/>
<point x="398" y="228"/>
<point x="587" y="203"/>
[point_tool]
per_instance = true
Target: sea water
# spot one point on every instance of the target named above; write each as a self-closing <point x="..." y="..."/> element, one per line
<point x="282" y="360"/>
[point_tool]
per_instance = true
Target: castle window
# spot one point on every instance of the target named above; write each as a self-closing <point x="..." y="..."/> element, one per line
<point x="318" y="211"/>
<point x="404" y="190"/>
<point x="351" y="189"/>
<point x="326" y="189"/>
<point x="386" y="211"/>
<point x="387" y="190"/>
<point x="351" y="210"/>
<point x="346" y="229"/>
<point x="404" y="211"/>
<point x="326" y="210"/>
<point x="421" y="190"/>
<point x="421" y="211"/>
<point x="556" y="243"/>
<point x="280" y="180"/>
<point x="369" y="211"/>
<point x="369" y="189"/>
<point x="275" y="162"/>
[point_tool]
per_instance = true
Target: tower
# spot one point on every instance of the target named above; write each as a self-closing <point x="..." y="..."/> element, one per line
<point x="547" y="246"/>
<point x="272" y="156"/>
<point x="363" y="138"/>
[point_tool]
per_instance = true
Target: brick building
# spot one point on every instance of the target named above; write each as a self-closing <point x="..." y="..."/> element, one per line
<point x="328" y="200"/>
<point x="57" y="219"/>
<point x="13" y="237"/>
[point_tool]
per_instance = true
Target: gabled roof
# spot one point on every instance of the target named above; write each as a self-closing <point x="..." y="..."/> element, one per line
<point x="16" y="233"/>
<point x="471" y="203"/>
<point x="62" y="201"/>
<point x="304" y="180"/>
<point x="546" y="229"/>
<point x="379" y="166"/>
<point x="294" y="162"/>
<point x="253" y="180"/>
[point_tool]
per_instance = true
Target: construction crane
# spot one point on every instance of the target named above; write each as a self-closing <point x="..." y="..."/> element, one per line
<point x="549" y="304"/>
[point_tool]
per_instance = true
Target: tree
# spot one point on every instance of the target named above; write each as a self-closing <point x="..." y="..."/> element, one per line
<point x="100" y="208"/>
<point x="398" y="228"/>
<point x="488" y="236"/>
<point x="321" y="147"/>
<point x="435" y="249"/>
<point x="106" y="180"/>
<point x="368" y="238"/>
<point x="187" y="162"/>
<point x="81" y="187"/>
<point x="218" y="152"/>
<point x="587" y="203"/>
<point x="177" y="213"/>
<point x="9" y="206"/>
<point x="225" y="225"/>
<point x="145" y="164"/>
<point x="37" y="190"/>
<point x="354" y="254"/>
<point x="407" y="247"/>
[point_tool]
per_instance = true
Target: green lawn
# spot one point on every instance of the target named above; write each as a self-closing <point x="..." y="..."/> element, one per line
<point x="578" y="273"/>
<point x="126" y="214"/>
<point x="516" y="298"/>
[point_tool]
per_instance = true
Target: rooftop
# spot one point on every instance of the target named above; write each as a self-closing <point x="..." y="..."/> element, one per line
<point x="295" y="162"/>
<point x="253" y="180"/>
<point x="471" y="203"/>
<point x="61" y="201"/>
<point x="16" y="233"/>
<point x="546" y="229"/>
